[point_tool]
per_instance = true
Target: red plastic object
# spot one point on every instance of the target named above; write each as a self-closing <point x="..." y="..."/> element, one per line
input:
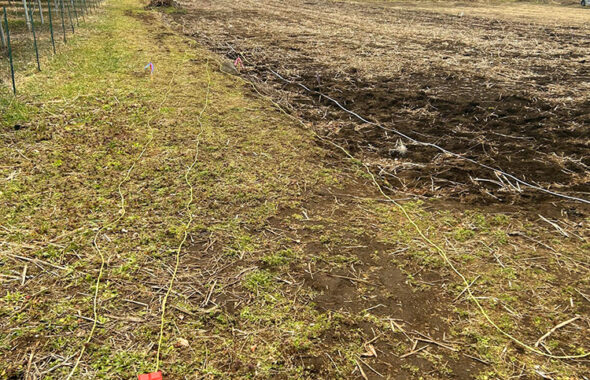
<point x="150" y="376"/>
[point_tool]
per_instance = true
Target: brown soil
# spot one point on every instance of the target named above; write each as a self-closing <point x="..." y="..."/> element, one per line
<point x="508" y="93"/>
<point x="367" y="282"/>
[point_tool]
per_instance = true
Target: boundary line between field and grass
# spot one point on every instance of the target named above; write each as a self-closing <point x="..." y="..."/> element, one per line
<point x="439" y="250"/>
<point x="411" y="139"/>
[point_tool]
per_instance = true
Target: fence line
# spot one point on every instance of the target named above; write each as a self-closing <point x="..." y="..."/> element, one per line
<point x="27" y="31"/>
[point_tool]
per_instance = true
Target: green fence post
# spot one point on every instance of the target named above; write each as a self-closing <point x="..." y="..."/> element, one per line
<point x="51" y="25"/>
<point x="70" y="17"/>
<point x="9" y="51"/>
<point x="35" y="40"/>
<point x="75" y="11"/>
<point x="63" y="24"/>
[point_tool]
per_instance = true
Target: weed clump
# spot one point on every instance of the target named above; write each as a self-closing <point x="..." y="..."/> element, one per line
<point x="279" y="258"/>
<point x="258" y="280"/>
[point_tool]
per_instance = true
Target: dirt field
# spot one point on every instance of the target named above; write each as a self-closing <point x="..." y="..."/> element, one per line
<point x="506" y="85"/>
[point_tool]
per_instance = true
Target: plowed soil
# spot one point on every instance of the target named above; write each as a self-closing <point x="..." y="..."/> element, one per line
<point x="507" y="86"/>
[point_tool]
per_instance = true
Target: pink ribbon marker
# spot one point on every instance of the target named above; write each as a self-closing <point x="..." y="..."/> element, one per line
<point x="150" y="66"/>
<point x="238" y="63"/>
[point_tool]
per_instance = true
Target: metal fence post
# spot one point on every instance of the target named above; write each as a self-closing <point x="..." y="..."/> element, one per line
<point x="40" y="11"/>
<point x="63" y="24"/>
<point x="75" y="12"/>
<point x="9" y="51"/>
<point x="35" y="40"/>
<point x="51" y="25"/>
<point x="70" y="17"/>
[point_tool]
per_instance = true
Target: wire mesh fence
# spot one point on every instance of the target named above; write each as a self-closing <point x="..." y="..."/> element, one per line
<point x="30" y="29"/>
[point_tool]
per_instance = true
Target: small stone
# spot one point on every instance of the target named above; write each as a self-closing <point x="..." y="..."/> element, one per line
<point x="181" y="342"/>
<point x="229" y="68"/>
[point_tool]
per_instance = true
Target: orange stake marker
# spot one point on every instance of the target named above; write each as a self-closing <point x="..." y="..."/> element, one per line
<point x="150" y="376"/>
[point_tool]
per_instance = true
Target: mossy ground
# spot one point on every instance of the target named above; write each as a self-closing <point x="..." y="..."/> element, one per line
<point x="294" y="267"/>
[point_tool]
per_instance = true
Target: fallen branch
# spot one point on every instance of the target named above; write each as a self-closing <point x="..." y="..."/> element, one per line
<point x="555" y="225"/>
<point x="350" y="278"/>
<point x="371" y="368"/>
<point x="583" y="295"/>
<point x="465" y="289"/>
<point x="412" y="352"/>
<point x="37" y="261"/>
<point x="437" y="344"/>
<point x="562" y="324"/>
<point x="361" y="370"/>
